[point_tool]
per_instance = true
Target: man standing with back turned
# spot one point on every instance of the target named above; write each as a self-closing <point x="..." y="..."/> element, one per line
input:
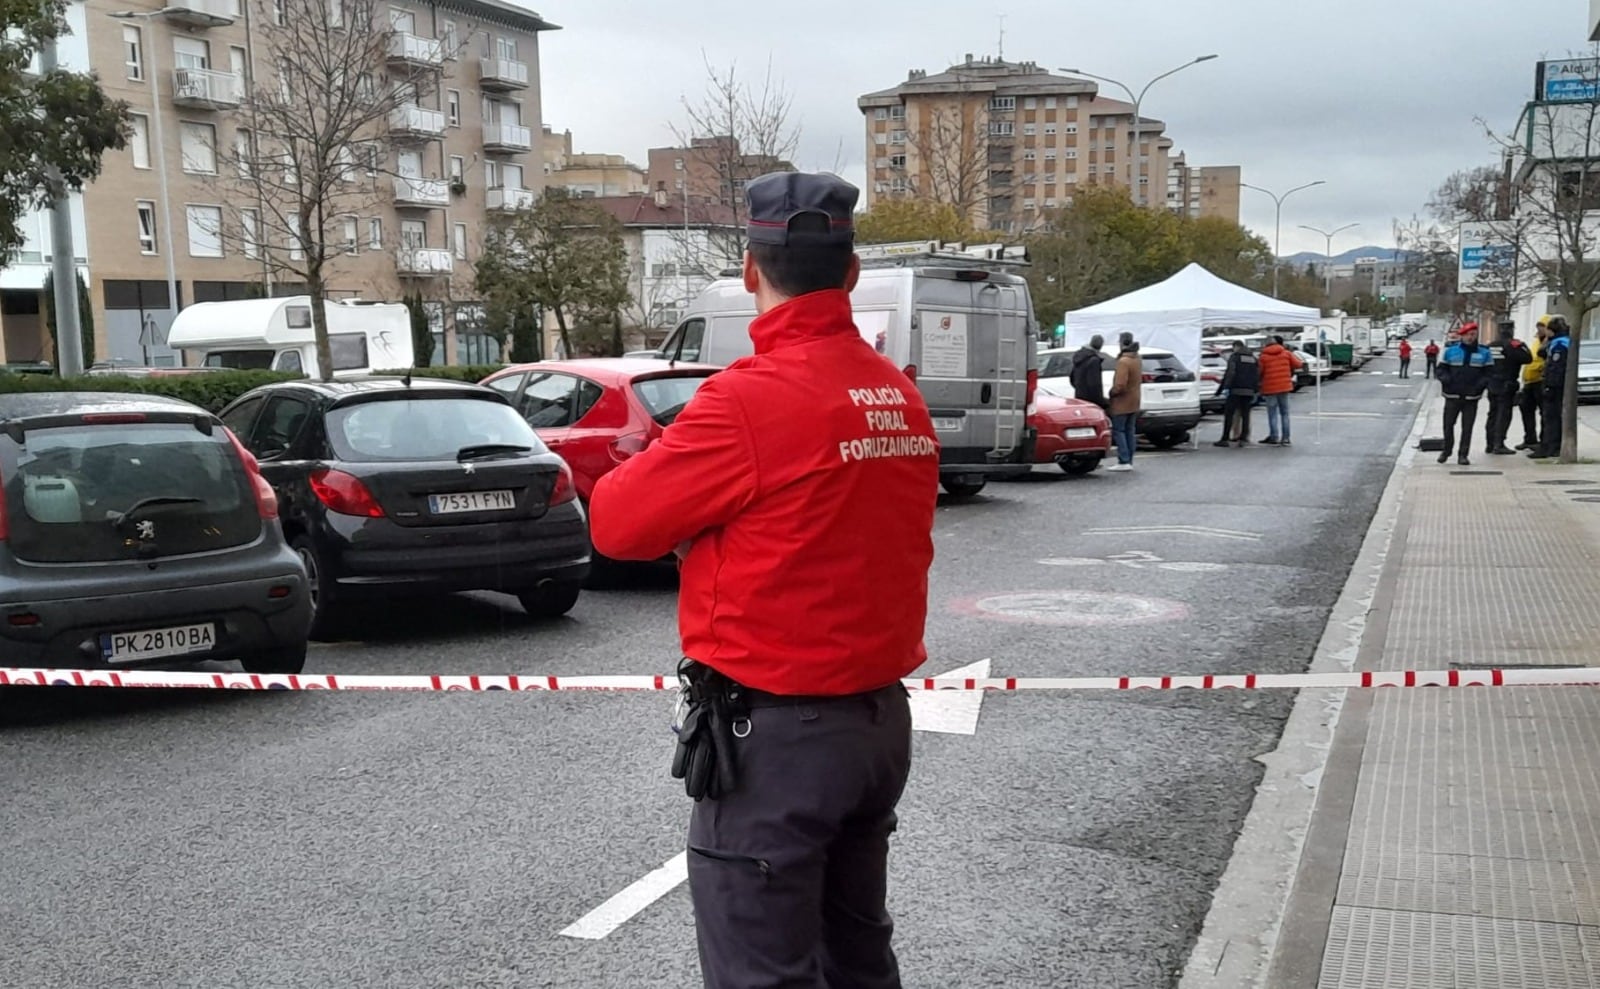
<point x="798" y="487"/>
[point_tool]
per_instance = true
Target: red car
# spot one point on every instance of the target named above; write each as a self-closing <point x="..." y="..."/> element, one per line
<point x="597" y="412"/>
<point x="1071" y="433"/>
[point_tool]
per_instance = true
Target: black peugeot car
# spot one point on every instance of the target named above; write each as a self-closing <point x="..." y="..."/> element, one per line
<point x="402" y="486"/>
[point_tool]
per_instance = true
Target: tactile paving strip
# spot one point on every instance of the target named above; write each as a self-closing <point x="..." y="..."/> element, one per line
<point x="1393" y="949"/>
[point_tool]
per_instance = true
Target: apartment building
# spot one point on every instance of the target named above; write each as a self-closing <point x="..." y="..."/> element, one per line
<point x="1006" y="142"/>
<point x="711" y="169"/>
<point x="1203" y="190"/>
<point x="587" y="175"/>
<point x="462" y="149"/>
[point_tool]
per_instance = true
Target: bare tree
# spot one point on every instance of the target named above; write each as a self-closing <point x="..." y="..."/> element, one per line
<point x="338" y="84"/>
<point x="735" y="131"/>
<point x="1548" y="222"/>
<point x="964" y="155"/>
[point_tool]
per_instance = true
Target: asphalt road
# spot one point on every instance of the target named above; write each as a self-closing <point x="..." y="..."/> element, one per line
<point x="208" y="840"/>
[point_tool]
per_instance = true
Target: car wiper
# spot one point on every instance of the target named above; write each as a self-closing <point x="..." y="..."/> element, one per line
<point x="152" y="502"/>
<point x="490" y="450"/>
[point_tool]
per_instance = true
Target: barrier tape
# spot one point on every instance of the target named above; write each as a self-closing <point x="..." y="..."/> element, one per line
<point x="26" y="677"/>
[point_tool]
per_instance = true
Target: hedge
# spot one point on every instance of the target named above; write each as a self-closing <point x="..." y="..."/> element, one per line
<point x="210" y="390"/>
<point x="464" y="372"/>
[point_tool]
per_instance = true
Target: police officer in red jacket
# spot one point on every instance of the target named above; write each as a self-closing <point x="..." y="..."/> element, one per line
<point x="798" y="487"/>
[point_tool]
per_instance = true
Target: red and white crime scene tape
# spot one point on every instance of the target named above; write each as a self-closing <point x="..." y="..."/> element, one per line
<point x="1526" y="677"/>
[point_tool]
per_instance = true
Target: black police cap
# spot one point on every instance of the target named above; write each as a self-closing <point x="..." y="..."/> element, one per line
<point x="776" y="198"/>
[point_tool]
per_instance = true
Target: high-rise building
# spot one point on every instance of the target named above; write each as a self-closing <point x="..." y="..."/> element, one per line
<point x="463" y="148"/>
<point x="1006" y="142"/>
<point x="710" y="169"/>
<point x="1203" y="190"/>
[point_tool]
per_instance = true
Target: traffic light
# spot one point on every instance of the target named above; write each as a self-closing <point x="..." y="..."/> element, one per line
<point x="1383" y="298"/>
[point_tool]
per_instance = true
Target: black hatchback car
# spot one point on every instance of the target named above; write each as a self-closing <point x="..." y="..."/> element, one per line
<point x="396" y="486"/>
<point x="136" y="532"/>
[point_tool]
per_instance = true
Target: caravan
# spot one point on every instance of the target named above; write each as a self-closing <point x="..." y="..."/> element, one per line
<point x="958" y="320"/>
<point x="276" y="335"/>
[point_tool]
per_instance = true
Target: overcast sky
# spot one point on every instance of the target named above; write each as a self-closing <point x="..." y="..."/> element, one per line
<point x="1377" y="97"/>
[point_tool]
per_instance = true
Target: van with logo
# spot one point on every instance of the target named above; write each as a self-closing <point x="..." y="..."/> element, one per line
<point x="959" y="323"/>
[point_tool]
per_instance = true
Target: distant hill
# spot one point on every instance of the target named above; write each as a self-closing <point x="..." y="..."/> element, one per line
<point x="1312" y="257"/>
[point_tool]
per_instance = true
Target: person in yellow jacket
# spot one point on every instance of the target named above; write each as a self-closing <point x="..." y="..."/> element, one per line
<point x="1533" y="387"/>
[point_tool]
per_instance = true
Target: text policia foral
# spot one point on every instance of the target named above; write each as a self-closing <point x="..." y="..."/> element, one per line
<point x="881" y="415"/>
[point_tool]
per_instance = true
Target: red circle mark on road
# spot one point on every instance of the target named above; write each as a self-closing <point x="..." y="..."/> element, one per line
<point x="1072" y="608"/>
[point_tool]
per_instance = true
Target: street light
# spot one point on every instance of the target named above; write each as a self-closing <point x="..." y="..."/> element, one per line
<point x="160" y="150"/>
<point x="1277" y="222"/>
<point x="1135" y="130"/>
<point x="1327" y="268"/>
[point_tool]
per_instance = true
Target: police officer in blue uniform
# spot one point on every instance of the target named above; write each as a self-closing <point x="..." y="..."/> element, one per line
<point x="1557" y="355"/>
<point x="1463" y="375"/>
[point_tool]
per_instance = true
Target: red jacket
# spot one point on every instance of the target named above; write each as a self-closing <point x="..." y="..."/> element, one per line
<point x="804" y="479"/>
<point x="1278" y="365"/>
<point x="1405" y="350"/>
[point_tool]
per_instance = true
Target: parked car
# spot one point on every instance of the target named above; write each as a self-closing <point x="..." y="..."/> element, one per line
<point x="1588" y="378"/>
<point x="396" y="486"/>
<point x="136" y="531"/>
<point x="1314" y="367"/>
<point x="1073" y="434"/>
<point x="598" y="412"/>
<point x="1169" y="400"/>
<point x="1213" y="366"/>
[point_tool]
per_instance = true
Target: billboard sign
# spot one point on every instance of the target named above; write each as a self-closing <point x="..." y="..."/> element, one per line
<point x="1571" y="80"/>
<point x="1485" y="262"/>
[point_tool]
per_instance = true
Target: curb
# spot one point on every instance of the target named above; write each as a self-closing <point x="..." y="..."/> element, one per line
<point x="1236" y="944"/>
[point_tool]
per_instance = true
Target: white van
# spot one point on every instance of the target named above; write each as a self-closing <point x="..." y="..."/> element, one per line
<point x="276" y="335"/>
<point x="964" y="334"/>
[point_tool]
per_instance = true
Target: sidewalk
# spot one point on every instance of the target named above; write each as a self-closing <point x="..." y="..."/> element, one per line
<point x="1455" y="835"/>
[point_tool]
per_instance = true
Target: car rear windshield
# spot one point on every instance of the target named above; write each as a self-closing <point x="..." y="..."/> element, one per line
<point x="241" y="360"/>
<point x="77" y="494"/>
<point x="425" y="428"/>
<point x="1166" y="368"/>
<point x="664" y="398"/>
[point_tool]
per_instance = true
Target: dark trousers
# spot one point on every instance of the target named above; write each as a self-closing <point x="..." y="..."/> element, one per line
<point x="1501" y="406"/>
<point x="789" y="873"/>
<point x="1467" y="410"/>
<point x="1550" y="436"/>
<point x="1237" y="409"/>
<point x="1528" y="404"/>
<point x="1433" y="363"/>
<point x="1405" y="367"/>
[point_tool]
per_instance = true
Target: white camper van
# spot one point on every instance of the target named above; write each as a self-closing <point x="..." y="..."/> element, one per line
<point x="276" y="335"/>
<point x="953" y="318"/>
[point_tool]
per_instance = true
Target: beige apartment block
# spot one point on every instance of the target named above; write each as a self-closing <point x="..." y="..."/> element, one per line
<point x="710" y="169"/>
<point x="1203" y="190"/>
<point x="464" y="150"/>
<point x="587" y="175"/>
<point x="1006" y="142"/>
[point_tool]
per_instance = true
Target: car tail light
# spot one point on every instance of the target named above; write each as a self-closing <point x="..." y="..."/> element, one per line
<point x="1033" y="389"/>
<point x="910" y="371"/>
<point x="266" y="498"/>
<point x="1147" y="377"/>
<point x="628" y="445"/>
<point x="563" y="491"/>
<point x="345" y="494"/>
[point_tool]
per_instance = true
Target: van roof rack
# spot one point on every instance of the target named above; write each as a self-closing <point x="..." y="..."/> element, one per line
<point x="998" y="255"/>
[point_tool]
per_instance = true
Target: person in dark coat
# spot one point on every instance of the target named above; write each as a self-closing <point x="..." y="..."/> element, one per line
<point x="1510" y="357"/>
<point x="1557" y="355"/>
<point x="1241" y="381"/>
<point x="1088" y="373"/>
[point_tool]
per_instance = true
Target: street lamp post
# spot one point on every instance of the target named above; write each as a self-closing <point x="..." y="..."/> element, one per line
<point x="1327" y="253"/>
<point x="160" y="152"/>
<point x="1277" y="222"/>
<point x="1135" y="130"/>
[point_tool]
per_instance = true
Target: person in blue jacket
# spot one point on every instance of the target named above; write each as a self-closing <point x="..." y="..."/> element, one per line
<point x="1463" y="375"/>
<point x="1557" y="355"/>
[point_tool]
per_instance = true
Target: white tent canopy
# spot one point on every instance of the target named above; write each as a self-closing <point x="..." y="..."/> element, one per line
<point x="1171" y="315"/>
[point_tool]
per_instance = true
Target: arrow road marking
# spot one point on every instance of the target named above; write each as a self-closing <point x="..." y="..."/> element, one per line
<point x="948" y="711"/>
<point x="1190" y="530"/>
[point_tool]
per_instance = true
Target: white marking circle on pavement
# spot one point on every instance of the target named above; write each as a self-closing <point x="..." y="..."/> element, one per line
<point x="1075" y="608"/>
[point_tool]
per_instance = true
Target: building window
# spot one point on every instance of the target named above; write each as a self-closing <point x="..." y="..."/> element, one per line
<point x="677" y="164"/>
<point x="1028" y="130"/>
<point x="1029" y="155"/>
<point x="244" y="151"/>
<point x="458" y="168"/>
<point x="336" y="13"/>
<point x="458" y="237"/>
<point x="147" y="226"/>
<point x="278" y="17"/>
<point x="297" y="241"/>
<point x="878" y="139"/>
<point x="1049" y="154"/>
<point x="1030" y="103"/>
<point x="139" y="139"/>
<point x="1072" y="128"/>
<point x="352" y="234"/>
<point x="1072" y="103"/>
<point x="1029" y="204"/>
<point x="881" y="113"/>
<point x="897" y="112"/>
<point x="250" y="232"/>
<point x="897" y="161"/>
<point x="1072" y="152"/>
<point x="1002" y="103"/>
<point x="897" y="137"/>
<point x="1049" y="129"/>
<point x="133" y="52"/>
<point x="899" y="185"/>
<point x="1072" y="179"/>
<point x="1049" y="102"/>
<point x="452" y="107"/>
<point x="375" y="234"/>
<point x="205" y="231"/>
<point x="199" y="146"/>
<point x="448" y="36"/>
<point x="1002" y="128"/>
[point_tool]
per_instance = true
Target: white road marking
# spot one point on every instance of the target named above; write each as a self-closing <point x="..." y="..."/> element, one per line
<point x="618" y="910"/>
<point x="1189" y="530"/>
<point x="1076" y="609"/>
<point x="1135" y="560"/>
<point x="952" y="712"/>
<point x="1196" y="567"/>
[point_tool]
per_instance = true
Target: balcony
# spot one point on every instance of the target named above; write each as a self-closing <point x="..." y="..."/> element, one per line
<point x="411" y="121"/>
<point x="410" y="49"/>
<point x="503" y="74"/>
<point x="424" y="262"/>
<point x="203" y="13"/>
<point x="206" y="89"/>
<point x="507" y="138"/>
<point x="423" y="193"/>
<point x="501" y="198"/>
